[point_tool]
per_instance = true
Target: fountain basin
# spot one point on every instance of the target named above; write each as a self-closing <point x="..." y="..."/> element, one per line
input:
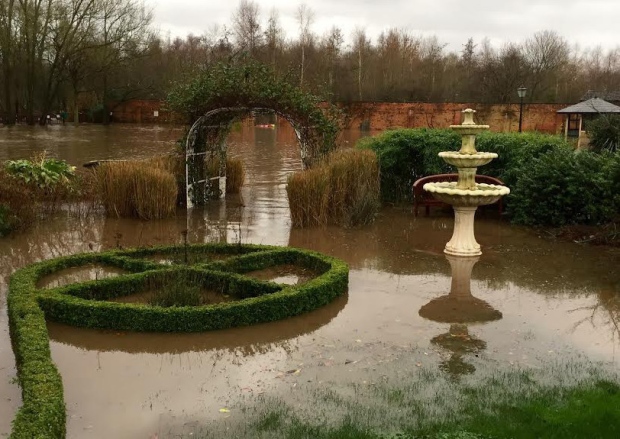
<point x="482" y="195"/>
<point x="461" y="160"/>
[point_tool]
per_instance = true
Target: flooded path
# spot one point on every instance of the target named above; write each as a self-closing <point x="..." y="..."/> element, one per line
<point x="551" y="301"/>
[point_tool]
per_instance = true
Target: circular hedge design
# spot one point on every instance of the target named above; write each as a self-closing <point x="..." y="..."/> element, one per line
<point x="87" y="304"/>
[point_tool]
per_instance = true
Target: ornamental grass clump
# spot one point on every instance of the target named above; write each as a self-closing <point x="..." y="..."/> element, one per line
<point x="235" y="175"/>
<point x="342" y="190"/>
<point x="308" y="197"/>
<point x="354" y="187"/>
<point x="136" y="189"/>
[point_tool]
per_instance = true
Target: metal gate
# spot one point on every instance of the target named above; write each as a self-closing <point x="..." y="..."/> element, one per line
<point x="205" y="168"/>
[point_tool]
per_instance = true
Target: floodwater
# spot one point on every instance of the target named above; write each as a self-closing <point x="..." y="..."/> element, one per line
<point x="530" y="301"/>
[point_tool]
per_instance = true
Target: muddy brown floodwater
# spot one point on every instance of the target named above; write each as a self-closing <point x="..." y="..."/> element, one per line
<point x="550" y="300"/>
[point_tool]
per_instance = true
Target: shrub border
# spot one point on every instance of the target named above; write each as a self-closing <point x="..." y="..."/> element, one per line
<point x="43" y="412"/>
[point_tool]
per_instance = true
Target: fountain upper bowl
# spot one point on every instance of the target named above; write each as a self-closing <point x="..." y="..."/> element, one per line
<point x="460" y="160"/>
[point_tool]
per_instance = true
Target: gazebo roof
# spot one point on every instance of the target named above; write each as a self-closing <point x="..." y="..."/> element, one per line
<point x="594" y="105"/>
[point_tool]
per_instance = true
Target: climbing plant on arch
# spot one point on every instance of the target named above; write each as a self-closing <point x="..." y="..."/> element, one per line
<point x="228" y="92"/>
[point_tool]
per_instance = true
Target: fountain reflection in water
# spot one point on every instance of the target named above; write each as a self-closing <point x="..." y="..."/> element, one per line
<point x="466" y="195"/>
<point x="459" y="308"/>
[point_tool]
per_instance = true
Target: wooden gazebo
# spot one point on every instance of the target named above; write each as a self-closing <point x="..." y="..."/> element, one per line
<point x="578" y="115"/>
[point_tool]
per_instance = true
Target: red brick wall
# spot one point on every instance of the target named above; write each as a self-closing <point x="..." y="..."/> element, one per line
<point x="380" y="116"/>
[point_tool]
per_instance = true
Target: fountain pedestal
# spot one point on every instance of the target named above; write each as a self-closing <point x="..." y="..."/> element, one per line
<point x="466" y="195"/>
<point x="463" y="241"/>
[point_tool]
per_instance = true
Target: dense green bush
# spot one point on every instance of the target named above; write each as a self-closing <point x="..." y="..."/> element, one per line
<point x="41" y="171"/>
<point x="408" y="154"/>
<point x="43" y="413"/>
<point x="515" y="150"/>
<point x="566" y="187"/>
<point x="550" y="183"/>
<point x="46" y="183"/>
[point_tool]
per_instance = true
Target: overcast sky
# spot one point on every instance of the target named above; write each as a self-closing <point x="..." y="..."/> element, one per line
<point x="588" y="23"/>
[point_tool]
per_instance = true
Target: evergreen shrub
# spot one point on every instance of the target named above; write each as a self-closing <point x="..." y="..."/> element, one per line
<point x="564" y="187"/>
<point x="405" y="155"/>
<point x="43" y="412"/>
<point x="550" y="183"/>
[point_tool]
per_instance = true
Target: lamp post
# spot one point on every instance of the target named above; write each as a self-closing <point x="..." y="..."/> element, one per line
<point x="521" y="92"/>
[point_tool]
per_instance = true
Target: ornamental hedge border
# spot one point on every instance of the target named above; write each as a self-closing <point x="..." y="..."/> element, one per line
<point x="43" y="413"/>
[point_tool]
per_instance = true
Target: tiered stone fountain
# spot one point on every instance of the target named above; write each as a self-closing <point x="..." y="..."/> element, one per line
<point x="466" y="195"/>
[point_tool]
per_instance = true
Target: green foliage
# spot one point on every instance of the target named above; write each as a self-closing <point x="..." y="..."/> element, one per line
<point x="43" y="414"/>
<point x="587" y="411"/>
<point x="604" y="133"/>
<point x="408" y="154"/>
<point x="488" y="409"/>
<point x="42" y="172"/>
<point x="515" y="151"/>
<point x="550" y="184"/>
<point x="564" y="187"/>
<point x="177" y="290"/>
<point x="241" y="87"/>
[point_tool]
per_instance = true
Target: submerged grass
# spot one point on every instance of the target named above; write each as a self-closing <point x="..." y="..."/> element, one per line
<point x="178" y="290"/>
<point x="343" y="190"/>
<point x="514" y="404"/>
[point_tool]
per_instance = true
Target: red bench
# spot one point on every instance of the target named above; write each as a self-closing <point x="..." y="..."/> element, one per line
<point x="426" y="199"/>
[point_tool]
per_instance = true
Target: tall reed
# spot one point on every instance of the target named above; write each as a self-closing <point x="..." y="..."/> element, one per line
<point x="308" y="197"/>
<point x="136" y="189"/>
<point x="354" y="187"/>
<point x="342" y="190"/>
<point x="235" y="175"/>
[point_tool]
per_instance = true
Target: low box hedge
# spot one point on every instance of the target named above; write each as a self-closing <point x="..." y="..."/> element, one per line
<point x="87" y="304"/>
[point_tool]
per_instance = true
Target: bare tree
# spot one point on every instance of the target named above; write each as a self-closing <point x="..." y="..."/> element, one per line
<point x="332" y="44"/>
<point x="274" y="34"/>
<point x="305" y="18"/>
<point x="501" y="73"/>
<point x="360" y="47"/>
<point x="7" y="58"/>
<point x="122" y="33"/>
<point x="246" y="26"/>
<point x="546" y="54"/>
<point x="35" y="17"/>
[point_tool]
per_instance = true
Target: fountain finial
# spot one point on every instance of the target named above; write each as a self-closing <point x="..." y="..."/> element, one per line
<point x="468" y="116"/>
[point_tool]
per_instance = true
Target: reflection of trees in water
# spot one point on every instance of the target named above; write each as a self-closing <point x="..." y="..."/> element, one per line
<point x="59" y="236"/>
<point x="607" y="308"/>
